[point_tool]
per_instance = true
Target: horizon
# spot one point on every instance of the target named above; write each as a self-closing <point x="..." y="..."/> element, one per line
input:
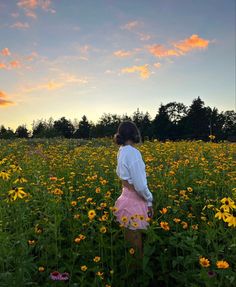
<point x="69" y="59"/>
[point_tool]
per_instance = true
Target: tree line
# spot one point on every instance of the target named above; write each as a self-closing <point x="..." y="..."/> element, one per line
<point x="173" y="121"/>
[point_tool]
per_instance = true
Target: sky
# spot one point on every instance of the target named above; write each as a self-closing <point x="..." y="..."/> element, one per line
<point x="89" y="57"/>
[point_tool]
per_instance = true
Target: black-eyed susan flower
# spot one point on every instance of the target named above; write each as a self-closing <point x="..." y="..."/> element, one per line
<point x="124" y="219"/>
<point x="165" y="225"/>
<point x="221" y="214"/>
<point x="231" y="219"/>
<point x="41" y="269"/>
<point x="17" y="192"/>
<point x="91" y="214"/>
<point x="96" y="259"/>
<point x="163" y="210"/>
<point x="228" y="204"/>
<point x="176" y="220"/>
<point x="131" y="251"/>
<point x="204" y="262"/>
<point x="73" y="203"/>
<point x="222" y="264"/>
<point x="103" y="229"/>
<point x="83" y="268"/>
<point x="20" y="179"/>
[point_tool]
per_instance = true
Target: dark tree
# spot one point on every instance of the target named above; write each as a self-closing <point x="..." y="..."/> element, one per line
<point x="22" y="132"/>
<point x="6" y="133"/>
<point x="64" y="128"/>
<point x="196" y="123"/>
<point x="83" y="130"/>
<point x="162" y="124"/>
<point x="229" y="126"/>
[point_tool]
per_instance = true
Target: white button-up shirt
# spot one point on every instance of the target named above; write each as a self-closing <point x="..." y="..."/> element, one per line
<point x="131" y="167"/>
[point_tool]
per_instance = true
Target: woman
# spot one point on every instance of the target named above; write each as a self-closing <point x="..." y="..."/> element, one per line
<point x="133" y="208"/>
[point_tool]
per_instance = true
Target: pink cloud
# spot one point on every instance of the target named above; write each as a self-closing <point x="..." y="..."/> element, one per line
<point x="30" y="5"/>
<point x="122" y="53"/>
<point x="143" y="71"/>
<point x="15" y="64"/>
<point x="20" y="25"/>
<point x="3" y="101"/>
<point x="5" y="52"/>
<point x="130" y="25"/>
<point x="3" y="66"/>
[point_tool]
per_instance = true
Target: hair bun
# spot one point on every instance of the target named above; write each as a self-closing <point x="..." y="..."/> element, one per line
<point x="119" y="139"/>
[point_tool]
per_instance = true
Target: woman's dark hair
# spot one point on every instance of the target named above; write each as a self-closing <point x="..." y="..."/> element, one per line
<point x="127" y="130"/>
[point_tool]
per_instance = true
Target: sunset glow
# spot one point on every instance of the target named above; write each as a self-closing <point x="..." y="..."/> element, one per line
<point x="70" y="58"/>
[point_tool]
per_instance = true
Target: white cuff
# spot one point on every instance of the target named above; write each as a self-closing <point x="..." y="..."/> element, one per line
<point x="149" y="203"/>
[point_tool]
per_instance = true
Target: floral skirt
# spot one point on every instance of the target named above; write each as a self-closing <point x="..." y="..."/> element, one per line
<point x="131" y="210"/>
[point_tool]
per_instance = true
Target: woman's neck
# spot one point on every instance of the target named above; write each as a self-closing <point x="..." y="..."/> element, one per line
<point x="129" y="142"/>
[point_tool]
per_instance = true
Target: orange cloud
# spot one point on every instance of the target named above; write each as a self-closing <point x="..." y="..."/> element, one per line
<point x="160" y="51"/>
<point x="180" y="48"/>
<point x="130" y="25"/>
<point x="5" y="52"/>
<point x="3" y="101"/>
<point x="3" y="66"/>
<point x="157" y="65"/>
<point x="61" y="82"/>
<point x="20" y="25"/>
<point x="15" y="64"/>
<point x="28" y="4"/>
<point x="143" y="71"/>
<point x="193" y="42"/>
<point x="122" y="53"/>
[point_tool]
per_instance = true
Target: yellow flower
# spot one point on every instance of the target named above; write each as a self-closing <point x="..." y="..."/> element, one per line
<point x="17" y="192"/>
<point x="77" y="240"/>
<point x="231" y="219"/>
<point x="57" y="191"/>
<point x="31" y="242"/>
<point x="124" y="219"/>
<point x="131" y="251"/>
<point x="103" y="229"/>
<point x="163" y="210"/>
<point x="73" y="203"/>
<point x="221" y="214"/>
<point x="83" y="268"/>
<point x="100" y="274"/>
<point x="204" y="262"/>
<point x="20" y="179"/>
<point x="184" y="224"/>
<point x="134" y="224"/>
<point x="82" y="237"/>
<point x="76" y="216"/>
<point x="98" y="190"/>
<point x="96" y="259"/>
<point x="91" y="214"/>
<point x="228" y="203"/>
<point x="176" y="220"/>
<point x="41" y="269"/>
<point x="222" y="264"/>
<point x="165" y="225"/>
<point x="195" y="226"/>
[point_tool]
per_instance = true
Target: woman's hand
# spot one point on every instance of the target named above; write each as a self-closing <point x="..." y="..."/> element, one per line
<point x="150" y="212"/>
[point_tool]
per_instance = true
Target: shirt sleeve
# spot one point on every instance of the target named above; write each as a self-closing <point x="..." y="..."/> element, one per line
<point x="139" y="179"/>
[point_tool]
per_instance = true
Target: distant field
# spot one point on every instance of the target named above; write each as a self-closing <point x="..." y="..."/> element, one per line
<point x="56" y="200"/>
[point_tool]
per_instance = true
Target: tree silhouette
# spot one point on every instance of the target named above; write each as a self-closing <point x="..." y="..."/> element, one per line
<point x="22" y="132"/>
<point x="64" y="127"/>
<point x="84" y="129"/>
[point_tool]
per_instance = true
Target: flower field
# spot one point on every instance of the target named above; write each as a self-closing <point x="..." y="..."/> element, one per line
<point x="57" y="226"/>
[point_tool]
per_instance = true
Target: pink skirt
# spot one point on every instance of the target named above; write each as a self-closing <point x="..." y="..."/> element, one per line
<point x="131" y="210"/>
